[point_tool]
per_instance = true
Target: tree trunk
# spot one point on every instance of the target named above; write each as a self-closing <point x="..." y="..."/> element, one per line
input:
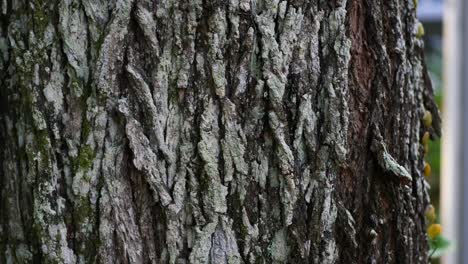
<point x="200" y="131"/>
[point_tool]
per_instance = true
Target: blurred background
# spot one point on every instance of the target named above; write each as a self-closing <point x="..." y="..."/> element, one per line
<point x="445" y="23"/>
<point x="430" y="13"/>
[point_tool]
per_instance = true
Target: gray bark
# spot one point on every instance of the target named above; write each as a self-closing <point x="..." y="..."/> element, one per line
<point x="199" y="131"/>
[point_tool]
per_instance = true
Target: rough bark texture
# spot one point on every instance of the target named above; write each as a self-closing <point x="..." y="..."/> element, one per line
<point x="200" y="131"/>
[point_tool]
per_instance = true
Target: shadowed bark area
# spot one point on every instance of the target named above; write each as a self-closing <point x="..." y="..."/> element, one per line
<point x="201" y="131"/>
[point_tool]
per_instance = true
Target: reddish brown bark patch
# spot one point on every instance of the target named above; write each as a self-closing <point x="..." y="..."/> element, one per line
<point x="361" y="75"/>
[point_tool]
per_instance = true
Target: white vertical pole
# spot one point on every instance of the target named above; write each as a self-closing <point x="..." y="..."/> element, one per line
<point x="463" y="85"/>
<point x="454" y="189"/>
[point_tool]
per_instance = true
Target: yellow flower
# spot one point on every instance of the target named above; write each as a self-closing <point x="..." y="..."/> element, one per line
<point x="426" y="148"/>
<point x="427" y="119"/>
<point x="426" y="137"/>
<point x="420" y="32"/>
<point x="427" y="169"/>
<point x="430" y="214"/>
<point x="434" y="230"/>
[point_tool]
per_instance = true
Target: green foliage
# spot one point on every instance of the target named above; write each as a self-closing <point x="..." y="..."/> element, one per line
<point x="439" y="246"/>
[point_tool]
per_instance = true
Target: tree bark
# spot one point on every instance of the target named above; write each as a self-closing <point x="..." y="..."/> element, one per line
<point x="200" y="131"/>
